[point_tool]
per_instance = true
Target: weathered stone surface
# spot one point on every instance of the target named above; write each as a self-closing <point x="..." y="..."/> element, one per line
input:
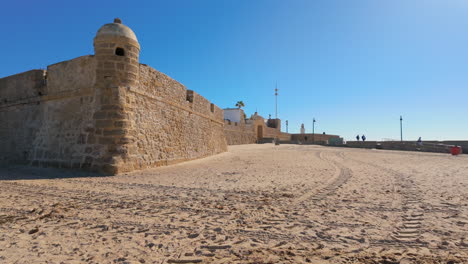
<point x="168" y="128"/>
<point x="252" y="130"/>
<point x="105" y="112"/>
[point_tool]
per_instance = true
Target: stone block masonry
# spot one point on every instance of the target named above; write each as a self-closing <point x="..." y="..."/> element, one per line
<point x="238" y="133"/>
<point x="425" y="146"/>
<point x="108" y="113"/>
<point x="313" y="138"/>
<point x="164" y="127"/>
<point x="47" y="124"/>
<point x="105" y="113"/>
<point x="252" y="130"/>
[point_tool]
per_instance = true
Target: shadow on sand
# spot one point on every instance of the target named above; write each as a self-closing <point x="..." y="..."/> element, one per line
<point x="23" y="172"/>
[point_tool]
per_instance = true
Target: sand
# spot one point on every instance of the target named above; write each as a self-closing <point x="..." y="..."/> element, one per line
<point x="253" y="204"/>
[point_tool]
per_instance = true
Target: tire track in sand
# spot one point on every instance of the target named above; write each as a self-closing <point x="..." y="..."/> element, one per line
<point x="408" y="231"/>
<point x="341" y="176"/>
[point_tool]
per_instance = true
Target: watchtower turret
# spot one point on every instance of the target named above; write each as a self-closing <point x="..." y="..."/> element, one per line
<point x="117" y="51"/>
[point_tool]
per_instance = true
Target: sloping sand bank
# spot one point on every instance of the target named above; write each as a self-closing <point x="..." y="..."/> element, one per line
<point x="253" y="204"/>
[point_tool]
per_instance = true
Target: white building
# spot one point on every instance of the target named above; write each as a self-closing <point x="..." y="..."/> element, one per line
<point x="234" y="114"/>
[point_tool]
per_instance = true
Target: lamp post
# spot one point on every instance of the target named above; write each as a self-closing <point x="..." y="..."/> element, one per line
<point x="286" y="126"/>
<point x="313" y="130"/>
<point x="401" y="128"/>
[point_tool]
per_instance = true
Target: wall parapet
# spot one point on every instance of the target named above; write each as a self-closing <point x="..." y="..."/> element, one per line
<point x="160" y="87"/>
<point x="184" y="108"/>
<point x="399" y="145"/>
<point x="72" y="78"/>
<point x="22" y="87"/>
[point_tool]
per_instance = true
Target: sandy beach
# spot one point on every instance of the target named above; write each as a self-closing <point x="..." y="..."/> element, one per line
<point x="252" y="204"/>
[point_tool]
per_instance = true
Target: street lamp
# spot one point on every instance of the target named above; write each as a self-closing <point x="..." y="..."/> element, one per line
<point x="401" y="128"/>
<point x="313" y="130"/>
<point x="286" y="126"/>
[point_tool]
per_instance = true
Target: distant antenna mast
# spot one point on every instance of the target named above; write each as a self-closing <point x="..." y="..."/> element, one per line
<point x="276" y="100"/>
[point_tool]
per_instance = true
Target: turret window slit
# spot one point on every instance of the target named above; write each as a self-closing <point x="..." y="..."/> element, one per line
<point x="119" y="52"/>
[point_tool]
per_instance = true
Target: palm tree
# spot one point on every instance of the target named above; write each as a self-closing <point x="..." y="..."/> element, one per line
<point x="240" y="104"/>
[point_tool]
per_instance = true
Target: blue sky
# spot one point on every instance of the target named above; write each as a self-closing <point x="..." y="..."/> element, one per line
<point x="354" y="65"/>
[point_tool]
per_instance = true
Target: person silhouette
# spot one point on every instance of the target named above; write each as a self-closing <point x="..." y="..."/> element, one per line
<point x="357" y="137"/>
<point x="363" y="138"/>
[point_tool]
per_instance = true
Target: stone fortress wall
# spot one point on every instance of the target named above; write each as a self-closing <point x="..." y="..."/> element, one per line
<point x="44" y="115"/>
<point x="108" y="113"/>
<point x="425" y="146"/>
<point x="20" y="113"/>
<point x="105" y="113"/>
<point x="252" y="130"/>
<point x="170" y="123"/>
<point x="256" y="129"/>
<point x="238" y="133"/>
<point x="314" y="138"/>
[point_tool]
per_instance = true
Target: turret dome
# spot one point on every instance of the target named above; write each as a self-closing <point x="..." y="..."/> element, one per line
<point x="116" y="29"/>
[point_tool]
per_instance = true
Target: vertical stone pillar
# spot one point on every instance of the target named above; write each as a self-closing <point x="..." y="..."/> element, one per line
<point x="117" y="51"/>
